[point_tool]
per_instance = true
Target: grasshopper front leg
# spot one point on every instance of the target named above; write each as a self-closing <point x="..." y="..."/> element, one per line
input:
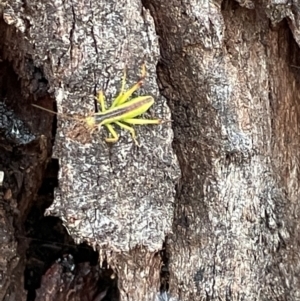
<point x="101" y="100"/>
<point x="115" y="136"/>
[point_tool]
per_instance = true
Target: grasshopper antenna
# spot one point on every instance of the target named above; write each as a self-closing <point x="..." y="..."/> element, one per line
<point x="52" y="112"/>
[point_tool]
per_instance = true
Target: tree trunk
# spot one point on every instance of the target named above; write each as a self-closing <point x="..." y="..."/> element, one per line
<point x="228" y="71"/>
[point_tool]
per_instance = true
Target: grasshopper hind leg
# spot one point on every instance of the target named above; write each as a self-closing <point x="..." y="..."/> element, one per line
<point x="129" y="129"/>
<point x="125" y="95"/>
<point x="115" y="137"/>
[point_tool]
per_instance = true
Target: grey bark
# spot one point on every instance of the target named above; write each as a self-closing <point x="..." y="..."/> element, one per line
<point x="229" y="72"/>
<point x="118" y="198"/>
<point x="233" y="90"/>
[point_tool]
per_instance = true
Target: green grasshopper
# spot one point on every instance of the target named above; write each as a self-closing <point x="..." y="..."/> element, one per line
<point x="122" y="112"/>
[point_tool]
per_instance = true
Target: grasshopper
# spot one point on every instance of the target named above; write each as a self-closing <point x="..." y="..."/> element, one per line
<point x="122" y="112"/>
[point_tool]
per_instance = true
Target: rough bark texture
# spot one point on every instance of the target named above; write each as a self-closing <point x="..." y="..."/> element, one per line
<point x="119" y="198"/>
<point x="231" y="81"/>
<point x="230" y="73"/>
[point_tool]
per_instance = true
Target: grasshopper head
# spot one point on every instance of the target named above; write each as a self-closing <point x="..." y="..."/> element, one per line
<point x="90" y="121"/>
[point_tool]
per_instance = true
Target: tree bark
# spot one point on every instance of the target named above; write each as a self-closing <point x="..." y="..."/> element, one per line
<point x="229" y="72"/>
<point x="230" y="79"/>
<point x="117" y="198"/>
